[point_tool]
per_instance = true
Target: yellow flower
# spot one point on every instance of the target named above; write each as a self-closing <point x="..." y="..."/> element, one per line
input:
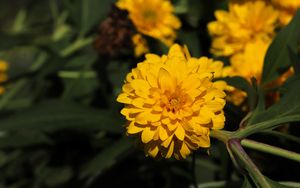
<point x="287" y="9"/>
<point x="3" y="75"/>
<point x="247" y="64"/>
<point x="153" y="18"/>
<point x="171" y="102"/>
<point x="243" y="23"/>
<point x="140" y="45"/>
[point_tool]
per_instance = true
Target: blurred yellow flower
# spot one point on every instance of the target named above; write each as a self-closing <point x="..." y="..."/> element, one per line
<point x="153" y="18"/>
<point x="140" y="45"/>
<point x="287" y="9"/>
<point x="3" y="75"/>
<point x="243" y="23"/>
<point x="247" y="64"/>
<point x="171" y="102"/>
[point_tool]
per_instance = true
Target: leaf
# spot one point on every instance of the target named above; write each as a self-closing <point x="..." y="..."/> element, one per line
<point x="54" y="115"/>
<point x="277" y="57"/>
<point x="23" y="139"/>
<point x="285" y="111"/>
<point x="106" y="158"/>
<point x="273" y="184"/>
<point x="88" y="13"/>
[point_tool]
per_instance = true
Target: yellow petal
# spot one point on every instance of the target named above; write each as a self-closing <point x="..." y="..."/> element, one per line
<point x="147" y="135"/>
<point x="153" y="151"/>
<point x="132" y="129"/>
<point x="163" y="135"/>
<point x="176" y="52"/>
<point x="165" y="80"/>
<point x="180" y="132"/>
<point x="170" y="151"/>
<point x="123" y="98"/>
<point x="167" y="142"/>
<point x="184" y="150"/>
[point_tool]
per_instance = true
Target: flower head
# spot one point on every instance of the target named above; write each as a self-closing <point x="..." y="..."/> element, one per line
<point x="153" y="18"/>
<point x="247" y="64"/>
<point x="171" y="102"/>
<point x="3" y="75"/>
<point x="242" y="23"/>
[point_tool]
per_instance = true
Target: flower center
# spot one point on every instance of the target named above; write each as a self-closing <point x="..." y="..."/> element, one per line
<point x="175" y="101"/>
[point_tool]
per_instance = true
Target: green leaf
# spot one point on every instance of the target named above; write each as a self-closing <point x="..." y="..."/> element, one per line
<point x="106" y="158"/>
<point x="56" y="115"/>
<point x="277" y="57"/>
<point x="273" y="184"/>
<point x="285" y="111"/>
<point x="23" y="139"/>
<point x="90" y="13"/>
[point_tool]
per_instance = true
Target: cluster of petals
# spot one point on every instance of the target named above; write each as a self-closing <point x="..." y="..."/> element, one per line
<point x="247" y="64"/>
<point x="153" y="18"/>
<point x="243" y="33"/>
<point x="242" y="23"/>
<point x="172" y="103"/>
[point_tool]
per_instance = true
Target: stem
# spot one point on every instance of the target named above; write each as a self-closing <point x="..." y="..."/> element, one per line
<point x="76" y="74"/>
<point x="271" y="149"/>
<point x="265" y="125"/>
<point x="76" y="45"/>
<point x="248" y="164"/>
<point x="223" y="136"/>
<point x="282" y="135"/>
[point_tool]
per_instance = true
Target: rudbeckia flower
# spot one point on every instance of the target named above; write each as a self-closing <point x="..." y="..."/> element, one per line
<point x="243" y="23"/>
<point x="153" y="18"/>
<point x="172" y="103"/>
<point x="247" y="64"/>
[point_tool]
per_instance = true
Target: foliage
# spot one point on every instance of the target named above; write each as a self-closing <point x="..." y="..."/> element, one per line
<point x="60" y="124"/>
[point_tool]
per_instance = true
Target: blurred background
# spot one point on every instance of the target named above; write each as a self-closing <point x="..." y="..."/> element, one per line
<point x="60" y="125"/>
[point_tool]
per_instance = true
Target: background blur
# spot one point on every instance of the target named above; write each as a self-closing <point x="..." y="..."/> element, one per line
<point x="60" y="125"/>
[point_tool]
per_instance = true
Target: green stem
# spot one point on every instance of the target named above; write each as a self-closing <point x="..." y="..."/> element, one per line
<point x="282" y="135"/>
<point x="78" y="44"/>
<point x="271" y="149"/>
<point x="77" y="74"/>
<point x="266" y="125"/>
<point x="223" y="136"/>
<point x="244" y="161"/>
